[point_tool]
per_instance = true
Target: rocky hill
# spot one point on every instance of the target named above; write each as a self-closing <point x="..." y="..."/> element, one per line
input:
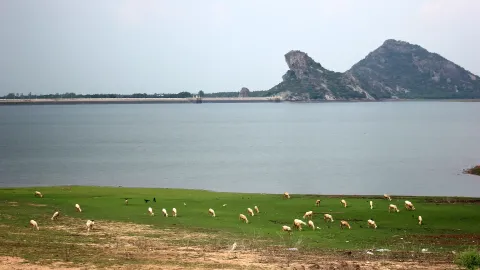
<point x="396" y="69"/>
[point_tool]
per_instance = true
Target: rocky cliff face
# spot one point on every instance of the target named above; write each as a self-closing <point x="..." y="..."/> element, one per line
<point x="396" y="69"/>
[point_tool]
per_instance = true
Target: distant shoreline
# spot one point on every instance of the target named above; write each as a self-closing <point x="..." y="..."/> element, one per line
<point x="73" y="101"/>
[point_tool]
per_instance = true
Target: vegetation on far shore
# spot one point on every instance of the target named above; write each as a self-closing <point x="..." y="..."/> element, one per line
<point x="450" y="224"/>
<point x="474" y="170"/>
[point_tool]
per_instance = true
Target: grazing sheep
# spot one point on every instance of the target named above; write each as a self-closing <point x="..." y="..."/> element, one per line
<point x="34" y="224"/>
<point x="211" y="212"/>
<point x="420" y="220"/>
<point x="164" y="211"/>
<point x="311" y="225"/>
<point x="243" y="217"/>
<point x="150" y="210"/>
<point x="38" y="194"/>
<point x="174" y="212"/>
<point x="297" y="223"/>
<point x="386" y="196"/>
<point x="256" y="209"/>
<point x="371" y="205"/>
<point x="344" y="203"/>
<point x="409" y="205"/>
<point x="308" y="214"/>
<point x="286" y="195"/>
<point x="90" y="224"/>
<point x="327" y="217"/>
<point x="344" y="223"/>
<point x="250" y="211"/>
<point x="372" y="223"/>
<point x="126" y="201"/>
<point x="393" y="207"/>
<point x="55" y="215"/>
<point x="317" y="203"/>
<point x="77" y="208"/>
<point x="286" y="229"/>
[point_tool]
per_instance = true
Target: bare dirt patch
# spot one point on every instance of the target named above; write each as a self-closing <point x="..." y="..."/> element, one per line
<point x="37" y="205"/>
<point x="13" y="203"/>
<point x="118" y="245"/>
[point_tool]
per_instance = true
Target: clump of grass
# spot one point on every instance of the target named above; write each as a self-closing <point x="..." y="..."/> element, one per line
<point x="469" y="259"/>
<point x="474" y="170"/>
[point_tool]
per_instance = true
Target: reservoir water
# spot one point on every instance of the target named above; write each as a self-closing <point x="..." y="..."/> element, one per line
<point x="408" y="148"/>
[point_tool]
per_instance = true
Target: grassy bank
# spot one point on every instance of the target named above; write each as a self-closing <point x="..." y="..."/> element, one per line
<point x="449" y="223"/>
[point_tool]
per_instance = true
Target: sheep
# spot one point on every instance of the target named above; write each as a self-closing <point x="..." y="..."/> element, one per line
<point x="371" y="205"/>
<point x="34" y="224"/>
<point x="211" y="212"/>
<point x="372" y="223"/>
<point x="77" y="208"/>
<point x="393" y="207"/>
<point x="344" y="223"/>
<point x="386" y="196"/>
<point x="297" y="223"/>
<point x="308" y="214"/>
<point x="420" y="219"/>
<point x="38" y="194"/>
<point x="344" y="203"/>
<point x="409" y="205"/>
<point x="250" y="211"/>
<point x="256" y="209"/>
<point x="90" y="224"/>
<point x="150" y="210"/>
<point x="310" y="224"/>
<point x="126" y="201"/>
<point x="243" y="217"/>
<point x="164" y="211"/>
<point x="286" y="229"/>
<point x="317" y="203"/>
<point x="174" y="212"/>
<point x="55" y="215"/>
<point x="286" y="195"/>
<point x="327" y="217"/>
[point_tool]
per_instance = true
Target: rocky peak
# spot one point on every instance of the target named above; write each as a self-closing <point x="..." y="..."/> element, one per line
<point x="300" y="63"/>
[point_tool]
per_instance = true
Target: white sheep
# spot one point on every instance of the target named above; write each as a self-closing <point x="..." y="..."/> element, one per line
<point x="211" y="212"/>
<point x="34" y="224"/>
<point x="371" y="204"/>
<point x="386" y="196"/>
<point x="420" y="220"/>
<point x="297" y="223"/>
<point x="393" y="207"/>
<point x="286" y="229"/>
<point x="150" y="211"/>
<point x="126" y="201"/>
<point x="311" y="225"/>
<point x="308" y="214"/>
<point x="250" y="211"/>
<point x="77" y="208"/>
<point x="174" y="212"/>
<point x="327" y="217"/>
<point x="344" y="223"/>
<point x="409" y="205"/>
<point x="90" y="224"/>
<point x="372" y="223"/>
<point x="344" y="203"/>
<point x="286" y="195"/>
<point x="256" y="209"/>
<point x="55" y="215"/>
<point x="243" y="217"/>
<point x="317" y="203"/>
<point x="38" y="194"/>
<point x="164" y="211"/>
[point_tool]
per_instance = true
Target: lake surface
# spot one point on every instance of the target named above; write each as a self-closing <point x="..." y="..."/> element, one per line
<point x="408" y="148"/>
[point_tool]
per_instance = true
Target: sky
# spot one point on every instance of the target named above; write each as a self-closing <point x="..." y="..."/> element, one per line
<point x="135" y="46"/>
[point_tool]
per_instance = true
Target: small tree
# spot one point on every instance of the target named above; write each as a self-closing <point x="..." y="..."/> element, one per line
<point x="201" y="93"/>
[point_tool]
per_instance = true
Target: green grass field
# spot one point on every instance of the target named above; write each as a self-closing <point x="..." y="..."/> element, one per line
<point x="448" y="223"/>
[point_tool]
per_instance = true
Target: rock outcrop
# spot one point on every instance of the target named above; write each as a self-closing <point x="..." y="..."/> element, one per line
<point x="397" y="69"/>
<point x="244" y="92"/>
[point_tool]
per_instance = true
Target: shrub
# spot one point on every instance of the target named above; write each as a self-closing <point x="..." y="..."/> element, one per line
<point x="469" y="259"/>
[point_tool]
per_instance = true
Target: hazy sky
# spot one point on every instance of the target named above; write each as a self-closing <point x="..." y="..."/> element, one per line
<point x="214" y="45"/>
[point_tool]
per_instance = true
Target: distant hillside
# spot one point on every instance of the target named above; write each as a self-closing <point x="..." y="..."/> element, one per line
<point x="396" y="69"/>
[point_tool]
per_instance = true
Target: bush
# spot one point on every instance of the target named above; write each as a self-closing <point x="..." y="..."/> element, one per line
<point x="475" y="170"/>
<point x="469" y="259"/>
